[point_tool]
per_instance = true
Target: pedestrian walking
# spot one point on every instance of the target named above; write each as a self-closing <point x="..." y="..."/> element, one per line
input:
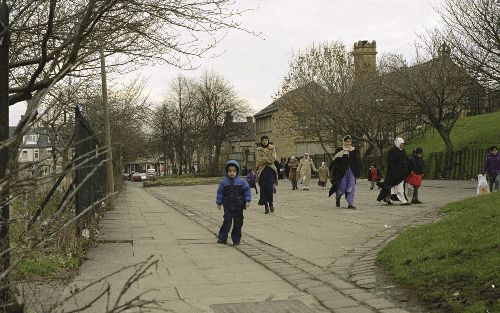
<point x="267" y="174"/>
<point x="244" y="171"/>
<point x="398" y="168"/>
<point x="491" y="168"/>
<point x="324" y="175"/>
<point x="292" y="171"/>
<point x="345" y="170"/>
<point x="251" y="180"/>
<point x="417" y="167"/>
<point x="287" y="168"/>
<point x="306" y="166"/>
<point x="234" y="195"/>
<point x="373" y="175"/>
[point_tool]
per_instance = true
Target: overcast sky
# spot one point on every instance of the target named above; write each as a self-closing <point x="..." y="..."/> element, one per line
<point x="256" y="66"/>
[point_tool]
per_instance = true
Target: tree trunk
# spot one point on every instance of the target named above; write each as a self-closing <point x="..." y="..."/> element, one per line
<point x="445" y="135"/>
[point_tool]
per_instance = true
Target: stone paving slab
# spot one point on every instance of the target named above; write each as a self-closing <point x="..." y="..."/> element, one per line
<point x="192" y="271"/>
<point x="308" y="238"/>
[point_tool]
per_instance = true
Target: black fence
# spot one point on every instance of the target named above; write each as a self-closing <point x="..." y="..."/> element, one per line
<point x="90" y="171"/>
<point x="462" y="164"/>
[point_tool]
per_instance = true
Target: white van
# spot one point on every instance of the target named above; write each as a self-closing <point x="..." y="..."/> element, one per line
<point x="151" y="172"/>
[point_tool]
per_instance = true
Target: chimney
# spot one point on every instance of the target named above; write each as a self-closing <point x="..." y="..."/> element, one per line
<point x="249" y="119"/>
<point x="365" y="61"/>
<point x="444" y="50"/>
<point x="228" y="118"/>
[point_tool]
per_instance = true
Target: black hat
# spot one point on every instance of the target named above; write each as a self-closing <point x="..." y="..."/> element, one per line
<point x="418" y="150"/>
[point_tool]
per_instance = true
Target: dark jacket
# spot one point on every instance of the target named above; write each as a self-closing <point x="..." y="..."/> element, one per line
<point x="379" y="175"/>
<point x="398" y="166"/>
<point x="339" y="166"/>
<point x="233" y="193"/>
<point x="491" y="165"/>
<point x="417" y="165"/>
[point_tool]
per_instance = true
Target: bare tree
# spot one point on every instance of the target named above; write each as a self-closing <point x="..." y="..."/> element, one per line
<point x="434" y="93"/>
<point x="51" y="39"/>
<point x="219" y="105"/>
<point x="330" y="101"/>
<point x="472" y="29"/>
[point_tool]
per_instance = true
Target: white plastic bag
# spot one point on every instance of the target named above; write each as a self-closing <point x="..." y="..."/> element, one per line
<point x="482" y="185"/>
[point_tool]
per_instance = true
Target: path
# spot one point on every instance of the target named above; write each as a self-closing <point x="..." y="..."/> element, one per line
<point x="308" y="250"/>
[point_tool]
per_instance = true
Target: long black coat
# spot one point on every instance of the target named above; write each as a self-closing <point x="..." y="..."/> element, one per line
<point x="398" y="166"/>
<point x="339" y="166"/>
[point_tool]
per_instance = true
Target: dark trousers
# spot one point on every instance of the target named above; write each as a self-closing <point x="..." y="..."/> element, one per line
<point x="415" y="194"/>
<point x="266" y="183"/>
<point x="236" y="219"/>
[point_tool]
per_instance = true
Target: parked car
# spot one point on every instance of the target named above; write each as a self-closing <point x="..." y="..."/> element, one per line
<point x="139" y="177"/>
<point x="151" y="172"/>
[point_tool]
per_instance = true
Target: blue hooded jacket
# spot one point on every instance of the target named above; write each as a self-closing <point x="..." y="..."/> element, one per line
<point x="233" y="193"/>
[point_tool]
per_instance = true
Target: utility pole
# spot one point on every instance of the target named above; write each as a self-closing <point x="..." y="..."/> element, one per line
<point x="107" y="135"/>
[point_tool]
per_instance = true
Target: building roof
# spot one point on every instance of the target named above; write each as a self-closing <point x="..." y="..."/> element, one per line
<point x="293" y="94"/>
<point x="43" y="138"/>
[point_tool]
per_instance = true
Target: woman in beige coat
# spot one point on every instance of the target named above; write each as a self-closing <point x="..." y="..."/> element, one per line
<point x="324" y="175"/>
<point x="267" y="175"/>
<point x="305" y="167"/>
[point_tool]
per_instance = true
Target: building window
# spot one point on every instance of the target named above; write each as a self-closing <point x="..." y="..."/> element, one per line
<point x="263" y="124"/>
<point x="37" y="155"/>
<point x="24" y="155"/>
<point x="33" y="138"/>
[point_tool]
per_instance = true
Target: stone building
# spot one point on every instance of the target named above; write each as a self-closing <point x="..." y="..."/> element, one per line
<point x="241" y="146"/>
<point x="282" y="124"/>
<point x="365" y="61"/>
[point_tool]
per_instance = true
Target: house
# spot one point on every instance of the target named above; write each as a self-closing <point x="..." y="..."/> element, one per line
<point x="241" y="145"/>
<point x="35" y="151"/>
<point x="282" y="123"/>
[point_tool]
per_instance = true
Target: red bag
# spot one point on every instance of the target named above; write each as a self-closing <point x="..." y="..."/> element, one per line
<point x="414" y="179"/>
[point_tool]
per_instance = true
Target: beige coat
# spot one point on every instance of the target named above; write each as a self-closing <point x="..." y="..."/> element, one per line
<point x="305" y="168"/>
<point x="266" y="157"/>
<point x="324" y="173"/>
<point x="292" y="165"/>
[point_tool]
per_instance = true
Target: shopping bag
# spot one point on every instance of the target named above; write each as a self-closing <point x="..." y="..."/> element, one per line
<point x="414" y="179"/>
<point x="482" y="185"/>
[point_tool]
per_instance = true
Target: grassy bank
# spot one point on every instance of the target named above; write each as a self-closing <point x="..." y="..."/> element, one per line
<point x="181" y="180"/>
<point x="453" y="264"/>
<point x="474" y="132"/>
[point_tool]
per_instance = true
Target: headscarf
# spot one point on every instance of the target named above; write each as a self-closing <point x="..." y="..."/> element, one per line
<point x="398" y="141"/>
<point x="323" y="164"/>
<point x="292" y="158"/>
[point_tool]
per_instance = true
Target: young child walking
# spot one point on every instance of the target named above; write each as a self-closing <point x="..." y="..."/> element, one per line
<point x="251" y="178"/>
<point x="234" y="195"/>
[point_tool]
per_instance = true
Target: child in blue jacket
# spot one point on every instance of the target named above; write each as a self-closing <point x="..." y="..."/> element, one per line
<point x="234" y="195"/>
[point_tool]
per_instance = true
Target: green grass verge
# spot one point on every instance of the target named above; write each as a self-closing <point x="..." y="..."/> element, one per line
<point x="181" y="180"/>
<point x="455" y="262"/>
<point x="473" y="132"/>
<point x="42" y="266"/>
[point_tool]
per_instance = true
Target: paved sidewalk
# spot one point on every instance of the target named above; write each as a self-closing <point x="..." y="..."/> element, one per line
<point x="326" y="251"/>
<point x="193" y="271"/>
<point x="306" y="253"/>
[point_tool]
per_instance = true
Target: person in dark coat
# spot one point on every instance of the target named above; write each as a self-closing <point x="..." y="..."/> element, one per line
<point x="373" y="175"/>
<point x="267" y="174"/>
<point x="344" y="171"/>
<point x="251" y="178"/>
<point x="234" y="195"/>
<point x="398" y="167"/>
<point x="491" y="167"/>
<point x="417" y="166"/>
